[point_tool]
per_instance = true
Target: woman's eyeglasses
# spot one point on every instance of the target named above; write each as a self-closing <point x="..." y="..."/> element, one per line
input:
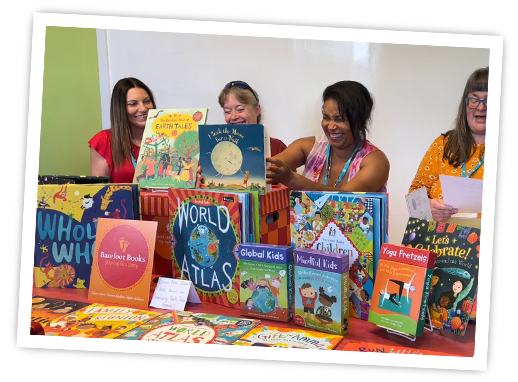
<point x="473" y="103"/>
<point x="241" y="85"/>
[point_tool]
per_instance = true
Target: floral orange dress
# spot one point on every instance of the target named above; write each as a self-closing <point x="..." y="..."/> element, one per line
<point x="432" y="165"/>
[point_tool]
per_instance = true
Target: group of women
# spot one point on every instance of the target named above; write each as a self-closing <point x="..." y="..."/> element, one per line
<point x="342" y="158"/>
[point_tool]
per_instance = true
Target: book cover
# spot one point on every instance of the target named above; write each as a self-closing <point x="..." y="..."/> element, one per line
<point x="66" y="225"/>
<point x="369" y="347"/>
<point x="99" y="321"/>
<point x="205" y="231"/>
<point x="455" y="277"/>
<point x="321" y="291"/>
<point x="266" y="274"/>
<point x="170" y="148"/>
<point x="46" y="309"/>
<point x="271" y="336"/>
<point x="342" y="222"/>
<point x="402" y="288"/>
<point x="188" y="327"/>
<point x="123" y="262"/>
<point x="232" y="157"/>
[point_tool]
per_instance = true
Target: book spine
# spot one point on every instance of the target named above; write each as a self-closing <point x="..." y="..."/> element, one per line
<point x="345" y="304"/>
<point x="291" y="292"/>
<point x="423" y="310"/>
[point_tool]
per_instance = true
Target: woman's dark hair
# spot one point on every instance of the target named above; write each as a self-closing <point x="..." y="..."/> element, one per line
<point x="355" y="103"/>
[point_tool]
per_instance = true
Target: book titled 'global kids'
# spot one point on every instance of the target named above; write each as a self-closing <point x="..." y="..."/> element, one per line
<point x="321" y="290"/>
<point x="266" y="273"/>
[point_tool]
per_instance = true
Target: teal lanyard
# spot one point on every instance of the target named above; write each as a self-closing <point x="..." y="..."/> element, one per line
<point x="472" y="172"/>
<point x="344" y="170"/>
<point x="133" y="161"/>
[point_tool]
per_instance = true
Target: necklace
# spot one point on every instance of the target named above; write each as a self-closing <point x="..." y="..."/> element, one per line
<point x="329" y="160"/>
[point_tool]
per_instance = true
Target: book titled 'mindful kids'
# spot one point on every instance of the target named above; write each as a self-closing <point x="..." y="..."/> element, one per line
<point x="321" y="290"/>
<point x="266" y="281"/>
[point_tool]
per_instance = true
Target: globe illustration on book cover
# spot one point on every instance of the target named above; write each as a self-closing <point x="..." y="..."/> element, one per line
<point x="203" y="244"/>
<point x="264" y="300"/>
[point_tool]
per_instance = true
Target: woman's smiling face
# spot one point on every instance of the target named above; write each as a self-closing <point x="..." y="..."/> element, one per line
<point x="477" y="117"/>
<point x="336" y="128"/>
<point x="239" y="113"/>
<point x="138" y="103"/>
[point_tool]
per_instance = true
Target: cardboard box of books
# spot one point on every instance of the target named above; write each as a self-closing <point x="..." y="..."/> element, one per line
<point x="266" y="273"/>
<point x="155" y="207"/>
<point x="275" y="216"/>
<point x="321" y="290"/>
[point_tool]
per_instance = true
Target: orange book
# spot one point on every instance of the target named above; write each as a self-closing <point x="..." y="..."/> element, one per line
<point x="368" y="347"/>
<point x="123" y="262"/>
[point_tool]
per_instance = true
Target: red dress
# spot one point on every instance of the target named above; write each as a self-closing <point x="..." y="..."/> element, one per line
<point x="276" y="146"/>
<point x="101" y="142"/>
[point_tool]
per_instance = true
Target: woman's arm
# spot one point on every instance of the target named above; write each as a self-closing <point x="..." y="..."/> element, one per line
<point x="98" y="165"/>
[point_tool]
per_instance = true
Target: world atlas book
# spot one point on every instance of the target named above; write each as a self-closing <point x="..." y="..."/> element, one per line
<point x="170" y="148"/>
<point x="66" y="226"/>
<point x="233" y="157"/>
<point x="455" y="276"/>
<point x="401" y="289"/>
<point x="205" y="232"/>
<point x="188" y="327"/>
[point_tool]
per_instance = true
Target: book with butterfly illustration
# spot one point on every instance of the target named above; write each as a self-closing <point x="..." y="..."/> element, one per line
<point x="66" y="226"/>
<point x="232" y="157"/>
<point x="170" y="149"/>
<point x="455" y="276"/>
<point x="188" y="327"/>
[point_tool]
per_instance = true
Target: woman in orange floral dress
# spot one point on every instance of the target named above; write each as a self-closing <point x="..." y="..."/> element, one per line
<point x="460" y="151"/>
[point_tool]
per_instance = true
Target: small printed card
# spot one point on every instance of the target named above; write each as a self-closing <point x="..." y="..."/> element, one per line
<point x="418" y="204"/>
<point x="173" y="294"/>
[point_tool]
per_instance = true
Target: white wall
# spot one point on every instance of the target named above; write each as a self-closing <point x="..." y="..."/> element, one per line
<point x="416" y="88"/>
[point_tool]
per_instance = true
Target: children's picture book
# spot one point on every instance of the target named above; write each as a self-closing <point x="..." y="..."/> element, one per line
<point x="66" y="225"/>
<point x="455" y="277"/>
<point x="99" y="320"/>
<point x="123" y="262"/>
<point x="266" y="274"/>
<point x="369" y="347"/>
<point x="170" y="148"/>
<point x="188" y="327"/>
<point x="343" y="222"/>
<point x="271" y="336"/>
<point x="402" y="288"/>
<point x="45" y="309"/>
<point x="321" y="291"/>
<point x="205" y="232"/>
<point x="233" y="157"/>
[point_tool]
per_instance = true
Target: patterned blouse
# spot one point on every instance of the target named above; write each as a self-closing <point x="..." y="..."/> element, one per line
<point x="317" y="159"/>
<point x="432" y="165"/>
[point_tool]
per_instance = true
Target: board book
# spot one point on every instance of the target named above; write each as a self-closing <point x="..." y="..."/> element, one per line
<point x="271" y="336"/>
<point x="321" y="291"/>
<point x="46" y="309"/>
<point x="343" y="222"/>
<point x="66" y="225"/>
<point x="99" y="321"/>
<point x="455" y="277"/>
<point x="233" y="157"/>
<point x="188" y="327"/>
<point x="205" y="231"/>
<point x="402" y="288"/>
<point x="170" y="148"/>
<point x="266" y="274"/>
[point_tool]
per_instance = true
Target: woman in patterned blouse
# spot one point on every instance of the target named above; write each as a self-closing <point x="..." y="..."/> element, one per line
<point x="460" y="151"/>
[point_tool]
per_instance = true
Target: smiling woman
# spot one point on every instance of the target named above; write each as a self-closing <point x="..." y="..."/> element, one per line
<point x="342" y="158"/>
<point x="114" y="152"/>
<point x="460" y="151"/>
